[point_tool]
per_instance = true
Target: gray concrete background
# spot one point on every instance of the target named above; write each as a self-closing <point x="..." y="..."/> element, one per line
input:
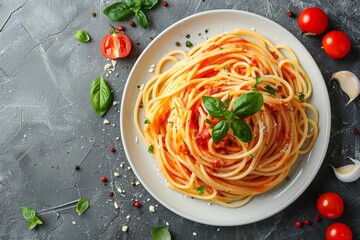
<point x="48" y="126"/>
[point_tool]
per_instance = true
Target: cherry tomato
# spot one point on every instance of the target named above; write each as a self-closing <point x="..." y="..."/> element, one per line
<point x="336" y="44"/>
<point x="116" y="45"/>
<point x="313" y="20"/>
<point x="330" y="205"/>
<point x="338" y="231"/>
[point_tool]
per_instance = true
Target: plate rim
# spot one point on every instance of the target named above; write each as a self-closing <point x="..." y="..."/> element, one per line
<point x="327" y="120"/>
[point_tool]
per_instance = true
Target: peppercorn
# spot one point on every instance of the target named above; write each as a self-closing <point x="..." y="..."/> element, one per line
<point x="307" y="222"/>
<point x="291" y="14"/>
<point x="317" y="218"/>
<point x="165" y="4"/>
<point x="137" y="204"/>
<point x="77" y="167"/>
<point x="103" y="179"/>
<point x="298" y="224"/>
<point x="177" y="44"/>
<point x="93" y="14"/>
<point x="111" y="194"/>
<point x="112" y="149"/>
<point x="356" y="131"/>
<point x="132" y="24"/>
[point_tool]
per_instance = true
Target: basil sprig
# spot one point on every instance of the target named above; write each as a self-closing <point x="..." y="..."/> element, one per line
<point x="30" y="216"/>
<point x="121" y="11"/>
<point x="100" y="96"/>
<point x="246" y="105"/>
<point x="160" y="233"/>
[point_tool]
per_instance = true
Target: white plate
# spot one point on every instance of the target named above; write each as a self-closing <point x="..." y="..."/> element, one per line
<point x="144" y="165"/>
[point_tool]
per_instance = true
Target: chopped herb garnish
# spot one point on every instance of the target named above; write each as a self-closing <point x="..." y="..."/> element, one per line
<point x="221" y="48"/>
<point x="258" y="81"/>
<point x="147" y="121"/>
<point x="251" y="155"/>
<point x="209" y="122"/>
<point x="187" y="36"/>
<point x="151" y="149"/>
<point x="226" y="67"/>
<point x="200" y="190"/>
<point x="188" y="44"/>
<point x="270" y="89"/>
<point x="301" y="96"/>
<point x="206" y="31"/>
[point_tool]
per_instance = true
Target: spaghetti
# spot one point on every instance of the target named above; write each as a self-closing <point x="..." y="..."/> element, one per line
<point x="178" y="129"/>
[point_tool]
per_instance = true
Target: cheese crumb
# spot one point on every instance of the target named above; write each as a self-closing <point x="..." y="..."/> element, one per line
<point x="116" y="174"/>
<point x="116" y="205"/>
<point x="115" y="103"/>
<point x="194" y="234"/>
<point x="119" y="190"/>
<point x="73" y="222"/>
<point x="113" y="63"/>
<point x="136" y="140"/>
<point x="106" y="121"/>
<point x="124" y="228"/>
<point x="107" y="66"/>
<point x="151" y="70"/>
<point x="128" y="217"/>
<point x="152" y="209"/>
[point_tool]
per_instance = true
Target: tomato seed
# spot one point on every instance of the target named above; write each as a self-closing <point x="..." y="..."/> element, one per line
<point x="112" y="149"/>
<point x="298" y="224"/>
<point x="165" y="4"/>
<point x="103" y="179"/>
<point x="132" y="24"/>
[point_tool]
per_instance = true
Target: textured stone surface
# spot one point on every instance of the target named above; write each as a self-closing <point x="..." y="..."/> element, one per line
<point x="48" y="125"/>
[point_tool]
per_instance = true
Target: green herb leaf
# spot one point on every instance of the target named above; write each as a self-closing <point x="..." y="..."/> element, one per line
<point x="209" y="122"/>
<point x="270" y="89"/>
<point x="160" y="233"/>
<point x="130" y="3"/>
<point x="220" y="130"/>
<point x="82" y="36"/>
<point x="248" y="104"/>
<point x="188" y="44"/>
<point x="141" y="19"/>
<point x="241" y="130"/>
<point x="301" y="96"/>
<point x="200" y="190"/>
<point x="214" y="106"/>
<point x="147" y="121"/>
<point x="118" y="11"/>
<point x="28" y="213"/>
<point x="148" y="4"/>
<point x="187" y="35"/>
<point x="30" y="216"/>
<point x="82" y="206"/>
<point x="227" y="103"/>
<point x="151" y="149"/>
<point x="257" y="82"/>
<point x="100" y="96"/>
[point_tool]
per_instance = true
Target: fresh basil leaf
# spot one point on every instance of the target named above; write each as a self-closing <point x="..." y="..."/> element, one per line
<point x="148" y="4"/>
<point x="28" y="213"/>
<point x="220" y="130"/>
<point x="141" y="19"/>
<point x="214" y="106"/>
<point x="248" y="104"/>
<point x="241" y="130"/>
<point x="34" y="222"/>
<point x="257" y="82"/>
<point x="82" y="206"/>
<point x="160" y="233"/>
<point x="118" y="11"/>
<point x="82" y="36"/>
<point x="100" y="96"/>
<point x="129" y="3"/>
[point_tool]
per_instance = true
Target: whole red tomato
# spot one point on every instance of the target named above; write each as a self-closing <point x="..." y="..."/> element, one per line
<point x="313" y="20"/>
<point x="330" y="205"/>
<point x="116" y="45"/>
<point x="338" y="231"/>
<point x="336" y="44"/>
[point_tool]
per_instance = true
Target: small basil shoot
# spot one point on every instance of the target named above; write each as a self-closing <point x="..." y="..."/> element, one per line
<point x="82" y="36"/>
<point x="270" y="89"/>
<point x="209" y="122"/>
<point x="246" y="105"/>
<point x="151" y="149"/>
<point x="160" y="233"/>
<point x="122" y="10"/>
<point x="301" y="96"/>
<point x="30" y="216"/>
<point x="188" y="44"/>
<point x="257" y="82"/>
<point x="82" y="206"/>
<point x="100" y="96"/>
<point x="147" y="121"/>
<point x="200" y="190"/>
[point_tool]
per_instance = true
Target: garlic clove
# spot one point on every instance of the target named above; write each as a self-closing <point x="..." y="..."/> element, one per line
<point x="348" y="173"/>
<point x="349" y="83"/>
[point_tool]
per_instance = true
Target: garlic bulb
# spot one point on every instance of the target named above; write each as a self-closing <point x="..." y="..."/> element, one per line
<point x="348" y="173"/>
<point x="349" y="83"/>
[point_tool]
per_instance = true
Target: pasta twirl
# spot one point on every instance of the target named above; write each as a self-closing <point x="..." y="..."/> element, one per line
<point x="178" y="127"/>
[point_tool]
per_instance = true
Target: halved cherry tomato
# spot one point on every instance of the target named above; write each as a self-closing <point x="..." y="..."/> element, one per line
<point x="313" y="20"/>
<point x="338" y="231"/>
<point x="330" y="205"/>
<point x="116" y="45"/>
<point x="336" y="44"/>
